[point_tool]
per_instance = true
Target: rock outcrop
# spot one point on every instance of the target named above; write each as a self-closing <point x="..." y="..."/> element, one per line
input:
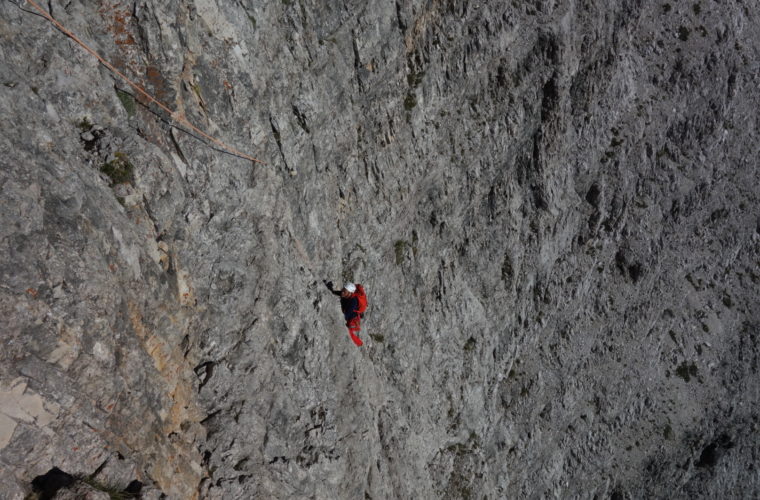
<point x="552" y="205"/>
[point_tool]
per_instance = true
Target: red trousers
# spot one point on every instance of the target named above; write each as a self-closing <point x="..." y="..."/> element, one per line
<point x="354" y="325"/>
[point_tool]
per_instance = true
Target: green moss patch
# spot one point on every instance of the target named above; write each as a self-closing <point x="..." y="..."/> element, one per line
<point x="85" y="124"/>
<point x="687" y="370"/>
<point x="400" y="248"/>
<point x="410" y="102"/>
<point x="127" y="101"/>
<point x="120" y="170"/>
<point x="470" y="344"/>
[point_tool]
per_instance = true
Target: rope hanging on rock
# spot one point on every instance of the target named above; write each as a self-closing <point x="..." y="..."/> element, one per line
<point x="175" y="116"/>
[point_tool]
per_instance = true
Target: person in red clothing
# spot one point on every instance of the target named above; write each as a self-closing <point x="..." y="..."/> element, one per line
<point x="353" y="303"/>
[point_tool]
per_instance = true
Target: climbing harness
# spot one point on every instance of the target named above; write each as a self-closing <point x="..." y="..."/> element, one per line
<point x="174" y="116"/>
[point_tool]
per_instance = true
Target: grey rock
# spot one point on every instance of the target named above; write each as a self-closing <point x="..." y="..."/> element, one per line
<point x="552" y="206"/>
<point x="81" y="491"/>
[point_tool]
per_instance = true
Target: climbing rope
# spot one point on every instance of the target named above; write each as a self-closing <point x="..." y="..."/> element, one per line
<point x="175" y="116"/>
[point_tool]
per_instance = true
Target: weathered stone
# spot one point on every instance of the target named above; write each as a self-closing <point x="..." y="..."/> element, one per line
<point x="81" y="491"/>
<point x="552" y="206"/>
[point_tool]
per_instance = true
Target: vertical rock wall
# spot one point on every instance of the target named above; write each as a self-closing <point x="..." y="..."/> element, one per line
<point x="552" y="206"/>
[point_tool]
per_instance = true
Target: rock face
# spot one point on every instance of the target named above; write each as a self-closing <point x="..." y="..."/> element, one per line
<point x="552" y="205"/>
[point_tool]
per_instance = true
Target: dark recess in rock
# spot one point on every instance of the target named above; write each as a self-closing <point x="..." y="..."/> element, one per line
<point x="48" y="484"/>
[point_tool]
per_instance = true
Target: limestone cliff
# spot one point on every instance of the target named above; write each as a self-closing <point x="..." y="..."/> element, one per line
<point x="553" y="207"/>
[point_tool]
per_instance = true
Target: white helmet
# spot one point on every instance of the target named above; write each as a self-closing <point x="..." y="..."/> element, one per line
<point x="350" y="287"/>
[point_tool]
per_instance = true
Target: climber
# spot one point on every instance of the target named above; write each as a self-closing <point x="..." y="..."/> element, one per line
<point x="353" y="303"/>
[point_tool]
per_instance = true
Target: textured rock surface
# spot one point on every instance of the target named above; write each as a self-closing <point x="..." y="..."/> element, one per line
<point x="553" y="206"/>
